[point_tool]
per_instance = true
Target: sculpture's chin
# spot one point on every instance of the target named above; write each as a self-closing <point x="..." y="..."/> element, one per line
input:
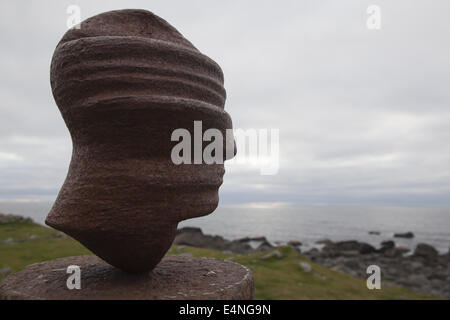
<point x="128" y="252"/>
<point x="130" y="225"/>
<point x="134" y="250"/>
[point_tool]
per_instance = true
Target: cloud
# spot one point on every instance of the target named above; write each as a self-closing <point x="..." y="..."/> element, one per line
<point x="363" y="115"/>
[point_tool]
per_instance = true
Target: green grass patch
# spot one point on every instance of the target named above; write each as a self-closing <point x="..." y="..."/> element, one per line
<point x="283" y="278"/>
<point x="33" y="243"/>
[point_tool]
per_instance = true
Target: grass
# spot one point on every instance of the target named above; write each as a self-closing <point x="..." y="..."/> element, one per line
<point x="48" y="245"/>
<point x="275" y="278"/>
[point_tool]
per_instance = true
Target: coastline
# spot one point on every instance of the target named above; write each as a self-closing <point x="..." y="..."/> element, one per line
<point x="423" y="272"/>
<point x="305" y="223"/>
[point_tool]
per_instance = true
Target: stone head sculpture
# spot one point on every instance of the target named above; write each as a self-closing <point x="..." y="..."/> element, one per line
<point x="124" y="82"/>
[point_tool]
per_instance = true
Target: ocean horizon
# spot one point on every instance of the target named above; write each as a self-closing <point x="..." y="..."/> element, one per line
<point x="280" y="222"/>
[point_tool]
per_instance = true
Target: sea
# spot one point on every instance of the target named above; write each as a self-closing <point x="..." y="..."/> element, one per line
<point x="280" y="222"/>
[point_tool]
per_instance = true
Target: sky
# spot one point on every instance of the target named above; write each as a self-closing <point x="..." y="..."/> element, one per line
<point x="363" y="115"/>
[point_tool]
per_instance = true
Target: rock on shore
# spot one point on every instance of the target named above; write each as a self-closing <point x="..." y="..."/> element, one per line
<point x="12" y="218"/>
<point x="196" y="238"/>
<point x="424" y="270"/>
<point x="407" y="235"/>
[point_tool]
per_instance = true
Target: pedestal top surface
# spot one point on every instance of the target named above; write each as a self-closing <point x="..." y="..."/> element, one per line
<point x="176" y="277"/>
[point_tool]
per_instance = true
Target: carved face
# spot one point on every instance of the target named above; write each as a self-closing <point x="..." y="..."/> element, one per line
<point x="123" y="83"/>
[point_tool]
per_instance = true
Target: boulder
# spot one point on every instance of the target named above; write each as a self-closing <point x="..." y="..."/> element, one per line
<point x="259" y="244"/>
<point x="194" y="237"/>
<point x="395" y="252"/>
<point x="366" y="248"/>
<point x="444" y="259"/>
<point x="402" y="250"/>
<point x="262" y="239"/>
<point x="350" y="245"/>
<point x="191" y="237"/>
<point x="248" y="239"/>
<point x="264" y="246"/>
<point x="189" y="229"/>
<point x="239" y="247"/>
<point x="313" y="254"/>
<point x="407" y="235"/>
<point x="416" y="265"/>
<point x="324" y="241"/>
<point x="386" y="246"/>
<point x="272" y="254"/>
<point x="306" y="267"/>
<point x="294" y="243"/>
<point x="425" y="251"/>
<point x="353" y="264"/>
<point x="11" y="218"/>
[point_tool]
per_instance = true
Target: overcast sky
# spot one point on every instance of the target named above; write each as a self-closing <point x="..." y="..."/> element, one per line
<point x="363" y="114"/>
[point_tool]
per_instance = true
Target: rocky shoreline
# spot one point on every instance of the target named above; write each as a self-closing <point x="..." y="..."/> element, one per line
<point x="13" y="218"/>
<point x="423" y="270"/>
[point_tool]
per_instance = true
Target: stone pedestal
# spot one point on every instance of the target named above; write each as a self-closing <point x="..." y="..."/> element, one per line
<point x="176" y="277"/>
